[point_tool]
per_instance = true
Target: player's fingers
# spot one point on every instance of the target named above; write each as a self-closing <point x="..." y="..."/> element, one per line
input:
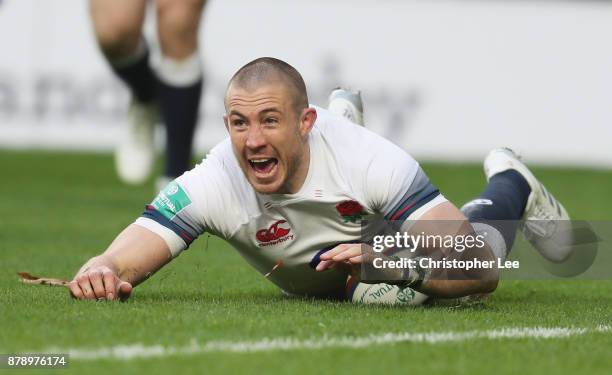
<point x="84" y="284"/>
<point x="368" y="255"/>
<point x="110" y="287"/>
<point x="124" y="290"/>
<point x="95" y="277"/>
<point x="356" y="260"/>
<point x="75" y="290"/>
<point x="348" y="253"/>
<point x="329" y="254"/>
<point x="323" y="265"/>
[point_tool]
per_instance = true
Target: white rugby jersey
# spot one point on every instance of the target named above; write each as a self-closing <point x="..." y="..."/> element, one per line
<point x="354" y="175"/>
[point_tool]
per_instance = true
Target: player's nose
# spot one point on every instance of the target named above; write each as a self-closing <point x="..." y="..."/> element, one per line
<point x="255" y="137"/>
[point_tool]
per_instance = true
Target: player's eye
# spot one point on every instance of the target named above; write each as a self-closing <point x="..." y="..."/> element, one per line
<point x="238" y="122"/>
<point x="271" y="120"/>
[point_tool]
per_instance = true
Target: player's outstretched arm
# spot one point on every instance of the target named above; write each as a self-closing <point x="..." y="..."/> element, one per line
<point x="131" y="258"/>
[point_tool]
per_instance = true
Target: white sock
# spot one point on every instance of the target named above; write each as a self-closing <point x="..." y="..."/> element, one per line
<point x="180" y="73"/>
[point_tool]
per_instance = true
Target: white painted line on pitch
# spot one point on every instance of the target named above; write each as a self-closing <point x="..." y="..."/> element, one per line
<point x="127" y="352"/>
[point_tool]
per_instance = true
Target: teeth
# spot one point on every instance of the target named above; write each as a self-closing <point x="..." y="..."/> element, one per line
<point x="260" y="161"/>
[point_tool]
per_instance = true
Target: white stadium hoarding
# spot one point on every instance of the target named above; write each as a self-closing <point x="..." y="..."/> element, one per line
<point x="446" y="80"/>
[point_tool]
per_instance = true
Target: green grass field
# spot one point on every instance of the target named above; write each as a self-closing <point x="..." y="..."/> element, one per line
<point x="58" y="210"/>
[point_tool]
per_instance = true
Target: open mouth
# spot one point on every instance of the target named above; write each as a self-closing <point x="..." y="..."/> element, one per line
<point x="263" y="166"/>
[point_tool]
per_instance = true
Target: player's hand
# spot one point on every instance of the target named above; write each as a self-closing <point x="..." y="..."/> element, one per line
<point x="348" y="255"/>
<point x="351" y="258"/>
<point x="99" y="283"/>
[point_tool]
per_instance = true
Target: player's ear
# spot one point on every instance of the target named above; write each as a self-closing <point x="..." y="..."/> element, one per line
<point x="226" y="121"/>
<point x="307" y="120"/>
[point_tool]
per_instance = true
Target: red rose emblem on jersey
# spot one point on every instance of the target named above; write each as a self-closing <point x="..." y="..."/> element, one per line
<point x="350" y="211"/>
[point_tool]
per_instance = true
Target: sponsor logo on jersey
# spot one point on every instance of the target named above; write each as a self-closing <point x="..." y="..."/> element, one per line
<point x="170" y="201"/>
<point x="350" y="211"/>
<point x="172" y="189"/>
<point x="278" y="232"/>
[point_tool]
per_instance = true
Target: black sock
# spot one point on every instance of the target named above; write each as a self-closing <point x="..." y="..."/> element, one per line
<point x="139" y="77"/>
<point x="501" y="205"/>
<point x="179" y="109"/>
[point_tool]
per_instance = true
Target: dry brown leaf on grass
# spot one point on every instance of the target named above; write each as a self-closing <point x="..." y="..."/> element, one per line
<point x="35" y="280"/>
<point x="276" y="266"/>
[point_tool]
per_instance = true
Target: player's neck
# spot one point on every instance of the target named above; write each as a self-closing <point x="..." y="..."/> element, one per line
<point x="301" y="172"/>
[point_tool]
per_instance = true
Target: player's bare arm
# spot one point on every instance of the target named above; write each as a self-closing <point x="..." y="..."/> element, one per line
<point x="452" y="221"/>
<point x="439" y="285"/>
<point x="130" y="259"/>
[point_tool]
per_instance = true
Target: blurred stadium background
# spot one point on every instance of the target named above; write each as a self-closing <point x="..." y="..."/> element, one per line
<point x="445" y="79"/>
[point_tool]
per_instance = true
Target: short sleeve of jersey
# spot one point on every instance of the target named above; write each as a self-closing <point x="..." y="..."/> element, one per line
<point x="396" y="185"/>
<point x="194" y="203"/>
<point x="383" y="175"/>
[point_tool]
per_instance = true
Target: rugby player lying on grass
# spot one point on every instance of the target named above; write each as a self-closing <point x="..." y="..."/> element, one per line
<point x="295" y="182"/>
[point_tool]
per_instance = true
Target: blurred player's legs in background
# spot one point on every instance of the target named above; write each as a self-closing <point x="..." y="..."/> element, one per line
<point x="118" y="29"/>
<point x="180" y="80"/>
<point x="174" y="91"/>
